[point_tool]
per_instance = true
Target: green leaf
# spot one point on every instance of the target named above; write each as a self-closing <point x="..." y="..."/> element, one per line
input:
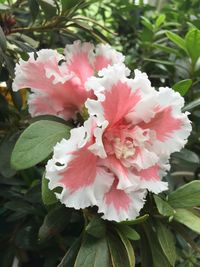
<point x="3" y="42"/>
<point x="195" y="103"/>
<point x="34" y="8"/>
<point x="129" y="249"/>
<point x="119" y="256"/>
<point x="186" y="196"/>
<point x="54" y="222"/>
<point x="127" y="231"/>
<point x="183" y="86"/>
<point x="70" y="257"/>
<point x="147" y="23"/>
<point x="187" y="155"/>
<point x="192" y="40"/>
<point x="177" y="40"/>
<point x="136" y="221"/>
<point x="160" y="20"/>
<point x="166" y="240"/>
<point x="93" y="252"/>
<point x="68" y="4"/>
<point x="48" y="8"/>
<point x="188" y="218"/>
<point x="48" y="196"/>
<point x="36" y="143"/>
<point x="159" y="258"/>
<point x="96" y="227"/>
<point x="163" y="207"/>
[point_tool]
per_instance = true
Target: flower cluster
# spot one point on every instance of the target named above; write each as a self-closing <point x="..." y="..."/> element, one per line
<point x="123" y="148"/>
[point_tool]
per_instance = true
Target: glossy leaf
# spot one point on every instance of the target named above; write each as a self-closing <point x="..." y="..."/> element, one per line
<point x="128" y="232"/>
<point x="193" y="104"/>
<point x="36" y="143"/>
<point x="96" y="227"/>
<point x="183" y="86"/>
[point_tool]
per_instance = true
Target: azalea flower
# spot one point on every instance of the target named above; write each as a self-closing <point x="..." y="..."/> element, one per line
<point x="57" y="81"/>
<point x="123" y="149"/>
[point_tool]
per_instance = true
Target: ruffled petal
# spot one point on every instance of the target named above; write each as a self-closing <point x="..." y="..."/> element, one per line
<point x="105" y="55"/>
<point x="150" y="178"/>
<point x="54" y="89"/>
<point x="171" y="126"/>
<point x="119" y="205"/>
<point x="80" y="57"/>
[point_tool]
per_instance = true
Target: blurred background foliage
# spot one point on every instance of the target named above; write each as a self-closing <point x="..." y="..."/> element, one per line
<point x="161" y="38"/>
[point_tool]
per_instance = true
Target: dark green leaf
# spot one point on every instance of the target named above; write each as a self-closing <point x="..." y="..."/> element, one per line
<point x="48" y="196"/>
<point x="37" y="142"/>
<point x="119" y="256"/>
<point x="54" y="222"/>
<point x="136" y="221"/>
<point x="68" y="4"/>
<point x="186" y="196"/>
<point x="93" y="252"/>
<point x="3" y="42"/>
<point x="128" y="231"/>
<point x="187" y="155"/>
<point x="166" y="240"/>
<point x="48" y="8"/>
<point x="70" y="257"/>
<point x="34" y="8"/>
<point x="193" y="104"/>
<point x="129" y="248"/>
<point x="183" y="86"/>
<point x="96" y="227"/>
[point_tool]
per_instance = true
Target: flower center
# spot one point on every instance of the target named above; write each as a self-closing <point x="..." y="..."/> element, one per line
<point x="123" y="150"/>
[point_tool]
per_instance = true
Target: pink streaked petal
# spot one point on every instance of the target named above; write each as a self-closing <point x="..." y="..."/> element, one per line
<point x="32" y="73"/>
<point x="118" y="205"/>
<point x="119" y="171"/>
<point x="150" y="178"/>
<point x="163" y="123"/>
<point x="119" y="101"/>
<point x="106" y="55"/>
<point x="80" y="58"/>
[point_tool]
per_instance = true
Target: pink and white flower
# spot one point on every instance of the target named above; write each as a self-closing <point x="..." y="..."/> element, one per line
<point x="122" y="150"/>
<point x="57" y="82"/>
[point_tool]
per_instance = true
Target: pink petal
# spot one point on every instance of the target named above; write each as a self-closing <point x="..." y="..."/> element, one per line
<point x="79" y="58"/>
<point x="106" y="55"/>
<point x="119" y="205"/>
<point x="55" y="91"/>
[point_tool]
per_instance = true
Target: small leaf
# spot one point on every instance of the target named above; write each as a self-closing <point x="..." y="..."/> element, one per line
<point x="187" y="155"/>
<point x="160" y="20"/>
<point x="48" y="196"/>
<point x="70" y="257"/>
<point x="177" y="40"/>
<point x="195" y="103"/>
<point x="163" y="207"/>
<point x="188" y="218"/>
<point x="69" y="4"/>
<point x="3" y="42"/>
<point x="127" y="231"/>
<point x="48" y="7"/>
<point x="119" y="256"/>
<point x="129" y="249"/>
<point x="36" y="143"/>
<point x="166" y="240"/>
<point x="136" y="221"/>
<point x="93" y="252"/>
<point x="54" y="222"/>
<point x="182" y="87"/>
<point x="96" y="227"/>
<point x="192" y="40"/>
<point x="186" y="196"/>
<point x="34" y="8"/>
